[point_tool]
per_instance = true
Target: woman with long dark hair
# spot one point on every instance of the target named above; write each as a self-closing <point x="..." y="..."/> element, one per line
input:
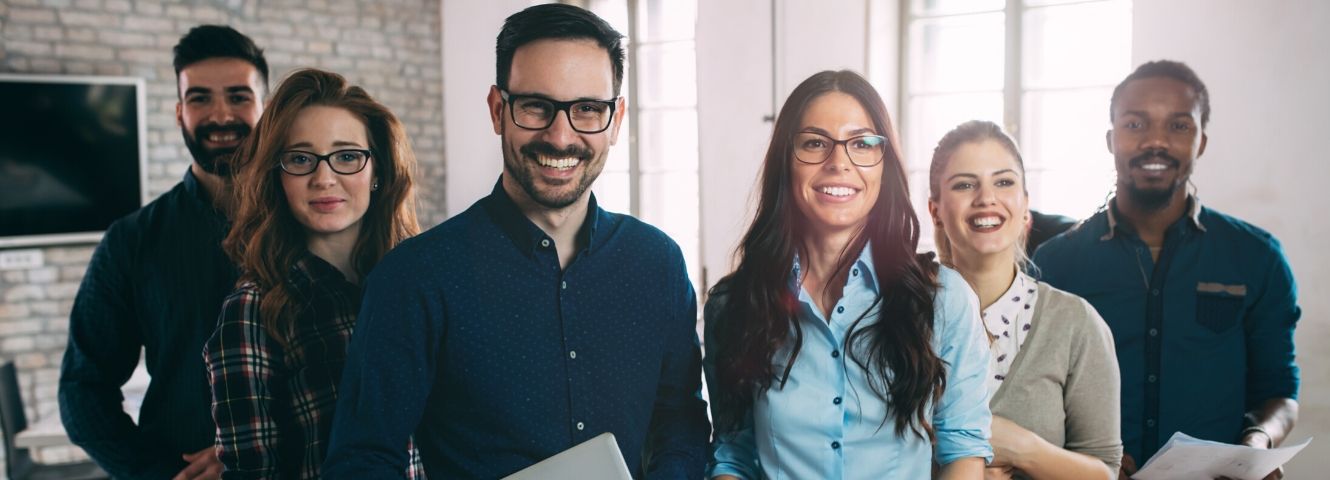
<point x="323" y="190"/>
<point x="834" y="351"/>
<point x="1049" y="348"/>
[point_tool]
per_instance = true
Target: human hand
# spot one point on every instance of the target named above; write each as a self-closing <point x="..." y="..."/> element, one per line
<point x="1260" y="439"/>
<point x="203" y="465"/>
<point x="1128" y="467"/>
<point x="1012" y="444"/>
<point x="998" y="473"/>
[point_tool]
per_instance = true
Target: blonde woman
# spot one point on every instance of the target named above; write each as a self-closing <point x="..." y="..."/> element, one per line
<point x="1053" y="375"/>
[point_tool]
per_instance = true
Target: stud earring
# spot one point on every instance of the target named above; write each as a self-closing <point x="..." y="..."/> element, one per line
<point x="374" y="186"/>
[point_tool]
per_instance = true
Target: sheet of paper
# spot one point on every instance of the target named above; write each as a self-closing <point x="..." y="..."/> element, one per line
<point x="1186" y="457"/>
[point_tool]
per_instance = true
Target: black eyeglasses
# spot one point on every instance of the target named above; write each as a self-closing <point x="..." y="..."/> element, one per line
<point x="534" y="112"/>
<point x="863" y="150"/>
<point x="345" y="162"/>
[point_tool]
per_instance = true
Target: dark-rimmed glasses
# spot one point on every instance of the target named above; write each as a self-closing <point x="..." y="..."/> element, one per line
<point x="863" y="150"/>
<point x="534" y="112"/>
<point x="344" y="162"/>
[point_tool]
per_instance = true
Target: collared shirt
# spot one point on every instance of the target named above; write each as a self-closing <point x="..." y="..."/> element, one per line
<point x="473" y="337"/>
<point x="154" y="286"/>
<point x="1203" y="335"/>
<point x="826" y="422"/>
<point x="1008" y="323"/>
<point x="273" y="402"/>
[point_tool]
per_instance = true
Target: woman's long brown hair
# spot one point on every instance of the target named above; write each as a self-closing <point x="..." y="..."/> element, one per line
<point x="265" y="240"/>
<point x="758" y="317"/>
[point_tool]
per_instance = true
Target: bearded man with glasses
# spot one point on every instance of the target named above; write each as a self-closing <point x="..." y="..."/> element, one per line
<point x="534" y="320"/>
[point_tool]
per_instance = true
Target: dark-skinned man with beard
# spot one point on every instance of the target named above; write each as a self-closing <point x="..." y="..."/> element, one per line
<point x="534" y="320"/>
<point x="1202" y="305"/>
<point x="156" y="283"/>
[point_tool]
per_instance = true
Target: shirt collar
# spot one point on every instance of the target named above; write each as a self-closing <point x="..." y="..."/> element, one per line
<point x="195" y="188"/>
<point x="525" y="234"/>
<point x="1111" y="209"/>
<point x="311" y="270"/>
<point x="862" y="270"/>
<point x="1010" y="305"/>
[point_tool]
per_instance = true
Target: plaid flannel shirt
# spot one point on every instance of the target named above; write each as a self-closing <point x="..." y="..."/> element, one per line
<point x="273" y="403"/>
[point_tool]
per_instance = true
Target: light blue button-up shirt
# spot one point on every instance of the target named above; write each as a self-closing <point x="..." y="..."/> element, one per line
<point x="826" y="423"/>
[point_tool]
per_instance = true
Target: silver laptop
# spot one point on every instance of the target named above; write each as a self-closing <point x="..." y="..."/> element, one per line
<point x="595" y="459"/>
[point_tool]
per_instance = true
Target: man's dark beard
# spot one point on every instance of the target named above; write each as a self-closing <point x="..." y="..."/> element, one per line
<point x="216" y="161"/>
<point x="526" y="177"/>
<point x="1148" y="199"/>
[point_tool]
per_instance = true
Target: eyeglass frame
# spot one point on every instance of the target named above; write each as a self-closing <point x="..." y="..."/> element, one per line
<point x="845" y="144"/>
<point x="369" y="155"/>
<point x="565" y="107"/>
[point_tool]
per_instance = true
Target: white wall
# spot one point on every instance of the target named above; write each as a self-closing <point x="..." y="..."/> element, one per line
<point x="471" y="149"/>
<point x="1266" y="66"/>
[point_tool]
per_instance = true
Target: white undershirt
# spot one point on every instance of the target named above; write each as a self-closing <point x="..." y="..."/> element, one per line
<point x="1008" y="322"/>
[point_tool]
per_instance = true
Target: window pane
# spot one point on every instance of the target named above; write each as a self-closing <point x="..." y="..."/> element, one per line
<point x="919" y="199"/>
<point x="667" y="75"/>
<point x="670" y="202"/>
<point x="614" y="12"/>
<point x="1077" y="45"/>
<point x="1037" y="3"/>
<point x="1074" y="192"/>
<point x="1061" y="127"/>
<point x="955" y="54"/>
<point x="662" y="20"/>
<point x="934" y="115"/>
<point x="668" y="140"/>
<point x="946" y="7"/>
<point x="611" y="189"/>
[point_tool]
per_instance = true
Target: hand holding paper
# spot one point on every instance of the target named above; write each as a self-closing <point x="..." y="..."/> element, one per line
<point x="1185" y="457"/>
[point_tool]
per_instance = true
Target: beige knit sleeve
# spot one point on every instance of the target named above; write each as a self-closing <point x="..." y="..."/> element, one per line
<point x="1093" y="388"/>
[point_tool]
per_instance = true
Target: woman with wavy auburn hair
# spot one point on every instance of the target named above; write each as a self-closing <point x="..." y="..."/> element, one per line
<point x="323" y="189"/>
<point x="834" y="351"/>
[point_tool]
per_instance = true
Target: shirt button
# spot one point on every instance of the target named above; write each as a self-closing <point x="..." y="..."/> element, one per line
<point x="835" y="445"/>
<point x="572" y="354"/>
<point x="840" y="309"/>
<point x="835" y="401"/>
<point x="1152" y="378"/>
<point x="835" y="354"/>
<point x="1154" y="332"/>
<point x="1150" y="422"/>
<point x="854" y="272"/>
<point x="580" y="426"/>
<point x="563" y="285"/>
<point x="1154" y="292"/>
<point x="545" y="242"/>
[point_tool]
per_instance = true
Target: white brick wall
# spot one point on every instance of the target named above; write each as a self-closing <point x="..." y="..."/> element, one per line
<point x="390" y="47"/>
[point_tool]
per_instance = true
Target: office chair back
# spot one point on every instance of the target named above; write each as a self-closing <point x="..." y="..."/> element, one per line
<point x="12" y="420"/>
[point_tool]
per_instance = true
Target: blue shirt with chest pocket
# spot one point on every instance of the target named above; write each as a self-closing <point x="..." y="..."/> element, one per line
<point x="1204" y="333"/>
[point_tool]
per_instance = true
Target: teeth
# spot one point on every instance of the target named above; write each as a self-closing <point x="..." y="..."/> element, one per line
<point x="1154" y="166"/>
<point x="986" y="222"/>
<point x="838" y="191"/>
<point x="559" y="163"/>
<point x="222" y="137"/>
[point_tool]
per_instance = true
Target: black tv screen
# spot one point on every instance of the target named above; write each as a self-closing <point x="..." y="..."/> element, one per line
<point x="72" y="153"/>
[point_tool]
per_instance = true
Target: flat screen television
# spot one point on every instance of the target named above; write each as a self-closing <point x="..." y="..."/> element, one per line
<point x="73" y="153"/>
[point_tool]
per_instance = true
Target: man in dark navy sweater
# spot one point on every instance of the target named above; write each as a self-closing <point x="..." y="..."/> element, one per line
<point x="1203" y="306"/>
<point x="534" y="320"/>
<point x="156" y="283"/>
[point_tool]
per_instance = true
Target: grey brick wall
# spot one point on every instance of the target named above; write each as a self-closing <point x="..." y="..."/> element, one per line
<point x="390" y="47"/>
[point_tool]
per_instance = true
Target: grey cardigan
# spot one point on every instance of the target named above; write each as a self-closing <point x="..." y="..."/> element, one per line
<point x="1064" y="383"/>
